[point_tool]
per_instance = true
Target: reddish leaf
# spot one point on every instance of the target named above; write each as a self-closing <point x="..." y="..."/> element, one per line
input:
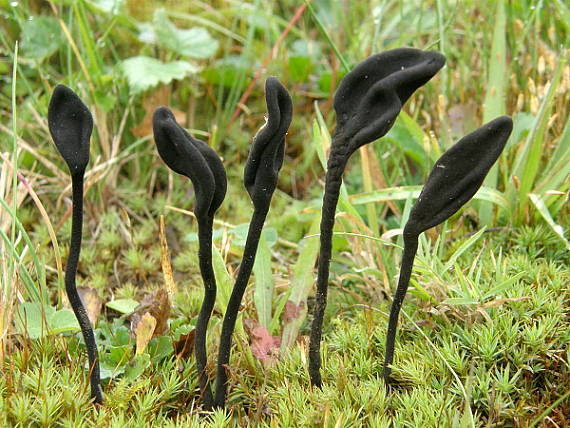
<point x="185" y="345"/>
<point x="264" y="346"/>
<point x="292" y="311"/>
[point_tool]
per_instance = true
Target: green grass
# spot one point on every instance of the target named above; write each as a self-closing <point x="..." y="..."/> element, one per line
<point x="485" y="335"/>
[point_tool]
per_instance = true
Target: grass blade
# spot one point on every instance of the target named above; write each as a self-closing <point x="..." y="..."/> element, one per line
<point x="403" y="192"/>
<point x="527" y="163"/>
<point x="541" y="207"/>
<point x="494" y="105"/>
<point x="464" y="247"/>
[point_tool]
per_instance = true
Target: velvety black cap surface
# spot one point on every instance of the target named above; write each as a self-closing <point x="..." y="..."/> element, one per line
<point x="70" y="125"/>
<point x="266" y="155"/>
<point x="371" y="96"/>
<point x="192" y="158"/>
<point x="458" y="174"/>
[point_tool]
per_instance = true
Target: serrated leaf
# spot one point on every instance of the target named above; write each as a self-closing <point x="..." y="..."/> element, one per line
<point x="195" y="42"/>
<point x="41" y="37"/>
<point x="143" y="72"/>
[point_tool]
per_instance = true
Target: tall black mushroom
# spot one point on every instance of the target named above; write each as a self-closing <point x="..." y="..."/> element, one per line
<point x="455" y="178"/>
<point x="199" y="162"/>
<point x="367" y="103"/>
<point x="70" y="125"/>
<point x="260" y="179"/>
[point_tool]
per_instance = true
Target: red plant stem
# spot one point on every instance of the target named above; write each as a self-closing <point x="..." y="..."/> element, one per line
<point x="260" y="71"/>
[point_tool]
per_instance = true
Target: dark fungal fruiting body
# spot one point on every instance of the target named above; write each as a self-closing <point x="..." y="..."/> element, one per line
<point x="453" y="181"/>
<point x="70" y="125"/>
<point x="260" y="179"/>
<point x="196" y="160"/>
<point x="367" y="103"/>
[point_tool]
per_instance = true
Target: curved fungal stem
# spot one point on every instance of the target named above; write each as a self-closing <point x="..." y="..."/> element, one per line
<point x="410" y="249"/>
<point x="230" y="318"/>
<point x="71" y="288"/>
<point x="335" y="168"/>
<point x="367" y="102"/>
<point x="207" y="271"/>
<point x="453" y="181"/>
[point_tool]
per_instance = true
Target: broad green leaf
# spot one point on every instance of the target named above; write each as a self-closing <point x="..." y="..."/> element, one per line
<point x="300" y="67"/>
<point x="195" y="42"/>
<point x="136" y="367"/>
<point x="36" y="320"/>
<point x="301" y="284"/>
<point x="32" y="319"/>
<point x="263" y="291"/>
<point x="62" y="321"/>
<point x="160" y="348"/>
<point x="407" y="135"/>
<point x="124" y="306"/>
<point x="41" y="37"/>
<point x="143" y="72"/>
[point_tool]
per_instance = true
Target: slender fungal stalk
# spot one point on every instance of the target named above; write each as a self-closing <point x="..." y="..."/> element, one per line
<point x="230" y="318"/>
<point x="410" y="249"/>
<point x="260" y="177"/>
<point x="70" y="125"/>
<point x="453" y="181"/>
<point x="367" y="102"/>
<point x="196" y="160"/>
<point x="71" y="288"/>
<point x="335" y="169"/>
<point x="207" y="272"/>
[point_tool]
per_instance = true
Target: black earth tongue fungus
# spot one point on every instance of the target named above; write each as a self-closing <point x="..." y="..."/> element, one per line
<point x="70" y="125"/>
<point x="367" y="103"/>
<point x="260" y="179"/>
<point x="199" y="162"/>
<point x="453" y="181"/>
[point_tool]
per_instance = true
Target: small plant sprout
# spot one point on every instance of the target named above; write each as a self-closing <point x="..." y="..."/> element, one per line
<point x="199" y="162"/>
<point x="70" y="125"/>
<point x="453" y="181"/>
<point x="260" y="179"/>
<point x="367" y="103"/>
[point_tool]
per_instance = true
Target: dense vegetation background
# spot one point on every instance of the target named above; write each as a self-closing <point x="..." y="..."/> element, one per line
<point x="486" y="330"/>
